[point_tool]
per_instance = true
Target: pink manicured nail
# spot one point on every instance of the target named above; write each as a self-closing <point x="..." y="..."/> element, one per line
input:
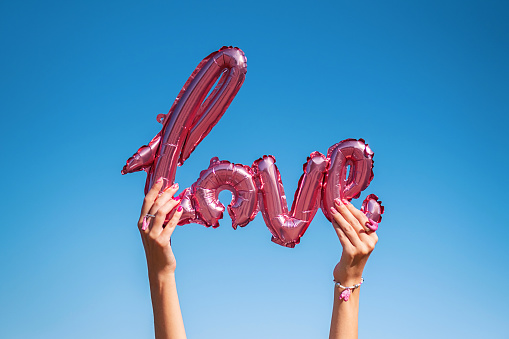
<point x="160" y="180"/>
<point x="346" y="202"/>
<point x="337" y="201"/>
<point x="179" y="209"/>
<point x="145" y="224"/>
<point x="175" y="186"/>
<point x="333" y="210"/>
<point x="372" y="225"/>
<point x="176" y="198"/>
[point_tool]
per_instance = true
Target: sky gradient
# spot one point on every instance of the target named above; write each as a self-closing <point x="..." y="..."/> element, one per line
<point x="425" y="83"/>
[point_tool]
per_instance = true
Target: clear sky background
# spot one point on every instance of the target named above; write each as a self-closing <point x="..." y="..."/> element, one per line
<point x="425" y="83"/>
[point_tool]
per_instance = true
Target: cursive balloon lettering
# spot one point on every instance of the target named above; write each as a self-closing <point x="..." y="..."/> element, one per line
<point x="255" y="188"/>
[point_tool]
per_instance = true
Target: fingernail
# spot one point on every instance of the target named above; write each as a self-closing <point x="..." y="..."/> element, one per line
<point x="145" y="224"/>
<point x="176" y="198"/>
<point x="346" y="202"/>
<point x="160" y="180"/>
<point x="372" y="225"/>
<point x="337" y="201"/>
<point x="333" y="210"/>
<point x="175" y="186"/>
<point x="179" y="209"/>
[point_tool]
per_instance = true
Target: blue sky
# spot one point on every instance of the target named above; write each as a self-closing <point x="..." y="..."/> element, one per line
<point x="425" y="83"/>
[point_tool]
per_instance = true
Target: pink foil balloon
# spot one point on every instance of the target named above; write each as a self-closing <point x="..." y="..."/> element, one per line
<point x="223" y="175"/>
<point x="189" y="213"/>
<point x="372" y="208"/>
<point x="339" y="183"/>
<point x="287" y="228"/>
<point x="143" y="159"/>
<point x="191" y="116"/>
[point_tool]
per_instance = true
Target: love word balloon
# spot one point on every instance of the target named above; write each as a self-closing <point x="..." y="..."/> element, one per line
<point x="344" y="173"/>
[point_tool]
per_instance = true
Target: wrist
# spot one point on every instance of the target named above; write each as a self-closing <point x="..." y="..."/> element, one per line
<point x="161" y="275"/>
<point x="347" y="277"/>
<point x="348" y="280"/>
<point x="348" y="271"/>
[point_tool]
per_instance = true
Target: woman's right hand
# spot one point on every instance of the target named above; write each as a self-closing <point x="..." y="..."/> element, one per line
<point x="156" y="238"/>
<point x="357" y="239"/>
<point x="356" y="234"/>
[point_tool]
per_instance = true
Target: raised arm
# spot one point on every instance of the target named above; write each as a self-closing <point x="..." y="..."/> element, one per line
<point x="358" y="238"/>
<point x="161" y="263"/>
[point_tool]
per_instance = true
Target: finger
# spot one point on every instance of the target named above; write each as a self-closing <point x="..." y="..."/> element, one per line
<point x="171" y="225"/>
<point x="372" y="226"/>
<point x="150" y="198"/>
<point x="345" y="226"/>
<point x="342" y="208"/>
<point x="374" y="236"/>
<point x="166" y="196"/>
<point x="156" y="227"/>
<point x="343" y="239"/>
<point x="361" y="217"/>
<point x="146" y="220"/>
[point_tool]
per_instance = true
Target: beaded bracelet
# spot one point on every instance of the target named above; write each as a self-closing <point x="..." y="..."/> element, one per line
<point x="347" y="290"/>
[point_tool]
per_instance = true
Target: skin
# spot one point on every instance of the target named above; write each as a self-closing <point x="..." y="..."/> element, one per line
<point x="357" y="241"/>
<point x="161" y="262"/>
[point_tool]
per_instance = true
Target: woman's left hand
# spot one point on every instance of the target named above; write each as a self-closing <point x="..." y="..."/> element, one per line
<point x="155" y="237"/>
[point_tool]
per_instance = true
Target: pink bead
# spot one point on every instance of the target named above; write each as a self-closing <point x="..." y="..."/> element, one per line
<point x="345" y="295"/>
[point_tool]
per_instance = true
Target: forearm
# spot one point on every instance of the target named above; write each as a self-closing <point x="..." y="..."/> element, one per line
<point x="345" y="315"/>
<point x="168" y="322"/>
